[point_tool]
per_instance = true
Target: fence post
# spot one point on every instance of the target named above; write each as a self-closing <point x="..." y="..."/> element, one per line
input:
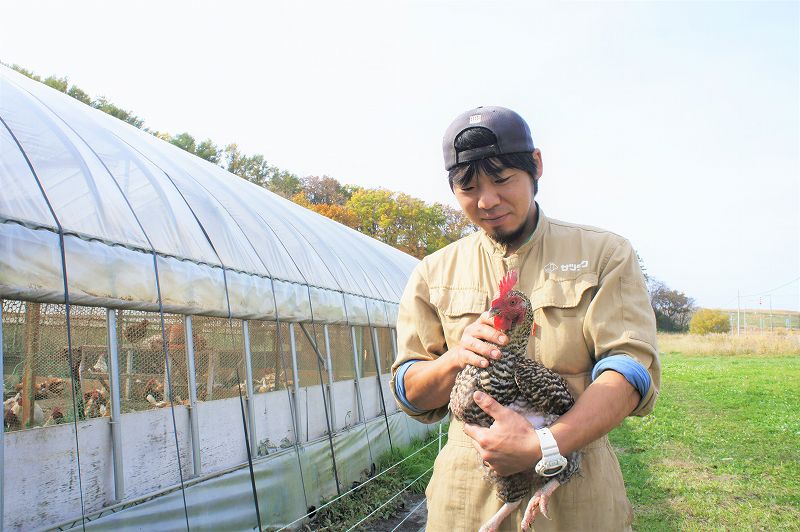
<point x="248" y="371"/>
<point x="188" y="336"/>
<point x="296" y="386"/>
<point x="116" y="411"/>
<point x="329" y="387"/>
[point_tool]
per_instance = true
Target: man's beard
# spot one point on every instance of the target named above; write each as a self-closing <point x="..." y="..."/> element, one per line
<point x="504" y="239"/>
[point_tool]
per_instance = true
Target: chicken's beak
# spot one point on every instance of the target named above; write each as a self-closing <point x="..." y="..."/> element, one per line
<point x="493" y="312"/>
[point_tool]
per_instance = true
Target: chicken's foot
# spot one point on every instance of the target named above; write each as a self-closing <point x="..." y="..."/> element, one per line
<point x="494" y="523"/>
<point x="538" y="503"/>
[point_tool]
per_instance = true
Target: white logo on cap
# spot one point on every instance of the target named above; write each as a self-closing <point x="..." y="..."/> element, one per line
<point x="474" y="119"/>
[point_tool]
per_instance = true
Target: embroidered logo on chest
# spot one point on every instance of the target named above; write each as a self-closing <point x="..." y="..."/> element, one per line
<point x="570" y="267"/>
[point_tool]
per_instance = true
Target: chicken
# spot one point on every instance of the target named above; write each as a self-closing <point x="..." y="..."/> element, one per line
<point x="527" y="387"/>
<point x="96" y="403"/>
<point x="154" y="389"/>
<point x="56" y="417"/>
<point x="135" y="333"/>
<point x="267" y="383"/>
<point x="55" y="385"/>
<point x="12" y="413"/>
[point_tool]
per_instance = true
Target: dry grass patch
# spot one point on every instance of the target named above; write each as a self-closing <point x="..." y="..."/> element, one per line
<point x="777" y="343"/>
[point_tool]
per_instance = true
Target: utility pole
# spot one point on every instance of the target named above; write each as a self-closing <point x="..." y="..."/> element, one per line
<point x="738" y="311"/>
<point x="745" y="320"/>
<point x="770" y="313"/>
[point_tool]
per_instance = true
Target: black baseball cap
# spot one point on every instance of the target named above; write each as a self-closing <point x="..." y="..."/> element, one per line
<point x="512" y="132"/>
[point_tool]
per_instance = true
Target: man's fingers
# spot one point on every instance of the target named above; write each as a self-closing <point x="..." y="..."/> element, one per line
<point x="476" y="433"/>
<point x="475" y="360"/>
<point x="482" y="348"/>
<point x="488" y="333"/>
<point x="487" y="404"/>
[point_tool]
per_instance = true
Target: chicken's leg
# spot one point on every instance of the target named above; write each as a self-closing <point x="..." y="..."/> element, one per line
<point x="539" y="503"/>
<point x="494" y="523"/>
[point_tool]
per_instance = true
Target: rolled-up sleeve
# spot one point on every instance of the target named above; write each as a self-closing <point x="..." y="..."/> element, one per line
<point x="620" y="319"/>
<point x="419" y="336"/>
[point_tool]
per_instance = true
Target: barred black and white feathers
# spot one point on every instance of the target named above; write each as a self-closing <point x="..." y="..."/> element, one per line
<point x="515" y="381"/>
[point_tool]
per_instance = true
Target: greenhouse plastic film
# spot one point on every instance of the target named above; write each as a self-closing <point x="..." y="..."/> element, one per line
<point x="377" y="313"/>
<point x="392" y="310"/>
<point x="227" y="237"/>
<point x="191" y="288"/>
<point x="158" y="205"/>
<point x="327" y="306"/>
<point x="21" y="198"/>
<point x="30" y="264"/>
<point x="99" y="273"/>
<point x="250" y="296"/>
<point x="292" y="301"/>
<point x="83" y="194"/>
<point x="356" y="309"/>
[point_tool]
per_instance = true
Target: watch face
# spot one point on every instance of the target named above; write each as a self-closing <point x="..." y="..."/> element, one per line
<point x="551" y="467"/>
<point x="550" y="471"/>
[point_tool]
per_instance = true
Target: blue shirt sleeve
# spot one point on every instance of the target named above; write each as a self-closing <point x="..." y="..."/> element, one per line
<point x="633" y="371"/>
<point x="400" y="386"/>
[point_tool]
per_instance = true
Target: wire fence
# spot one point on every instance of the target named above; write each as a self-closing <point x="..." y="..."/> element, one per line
<point x="39" y="380"/>
<point x="38" y="377"/>
<point x="437" y="440"/>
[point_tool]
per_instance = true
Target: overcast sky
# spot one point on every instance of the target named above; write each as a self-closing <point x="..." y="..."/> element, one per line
<point x="675" y="124"/>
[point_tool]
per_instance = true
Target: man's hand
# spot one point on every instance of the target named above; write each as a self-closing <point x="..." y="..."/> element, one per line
<point x="429" y="382"/>
<point x="473" y="349"/>
<point x="510" y="445"/>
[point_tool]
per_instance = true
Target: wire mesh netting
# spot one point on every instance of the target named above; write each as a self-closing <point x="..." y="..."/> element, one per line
<point x="38" y="380"/>
<point x="363" y="344"/>
<point x="272" y="368"/>
<point x="309" y="362"/>
<point x="385" y="348"/>
<point x="341" y="344"/>
<point x="143" y="369"/>
<point x="219" y="358"/>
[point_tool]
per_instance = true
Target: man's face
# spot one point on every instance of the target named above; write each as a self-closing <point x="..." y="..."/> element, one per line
<point x="501" y="205"/>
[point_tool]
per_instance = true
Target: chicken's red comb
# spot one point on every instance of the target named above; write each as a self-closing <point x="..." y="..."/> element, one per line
<point x="507" y="283"/>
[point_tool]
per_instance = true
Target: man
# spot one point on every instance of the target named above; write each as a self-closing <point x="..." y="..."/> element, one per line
<point x="593" y="324"/>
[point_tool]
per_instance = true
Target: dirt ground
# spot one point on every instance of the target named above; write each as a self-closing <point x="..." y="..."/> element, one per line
<point x="408" y="519"/>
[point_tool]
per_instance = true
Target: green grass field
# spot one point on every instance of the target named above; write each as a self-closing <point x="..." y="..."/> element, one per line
<point x="720" y="451"/>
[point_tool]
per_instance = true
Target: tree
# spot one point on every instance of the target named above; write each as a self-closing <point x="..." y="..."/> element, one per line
<point x="323" y="190"/>
<point x="283" y="183"/>
<point x="26" y="72"/>
<point x="673" y="309"/>
<point x="59" y="84"/>
<point x="79" y="94"/>
<point x="707" y="321"/>
<point x="339" y="213"/>
<point x="642" y="267"/>
<point x="107" y="107"/>
<point x="184" y="141"/>
<point x="208" y="150"/>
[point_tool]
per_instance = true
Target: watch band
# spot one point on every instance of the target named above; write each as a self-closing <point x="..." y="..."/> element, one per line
<point x="548" y="443"/>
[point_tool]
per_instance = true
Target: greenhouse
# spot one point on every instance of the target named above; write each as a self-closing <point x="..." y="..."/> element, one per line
<point x="175" y="338"/>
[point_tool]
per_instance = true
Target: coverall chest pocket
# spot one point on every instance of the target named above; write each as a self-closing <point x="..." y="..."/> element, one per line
<point x="560" y="308"/>
<point x="458" y="307"/>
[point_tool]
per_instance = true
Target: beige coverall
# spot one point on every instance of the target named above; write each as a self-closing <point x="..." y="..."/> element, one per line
<point x="589" y="300"/>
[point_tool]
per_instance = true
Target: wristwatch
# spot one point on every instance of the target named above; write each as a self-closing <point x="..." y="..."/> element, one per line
<point x="552" y="463"/>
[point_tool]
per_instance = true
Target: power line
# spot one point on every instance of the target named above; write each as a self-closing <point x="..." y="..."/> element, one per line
<point x="774" y="289"/>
